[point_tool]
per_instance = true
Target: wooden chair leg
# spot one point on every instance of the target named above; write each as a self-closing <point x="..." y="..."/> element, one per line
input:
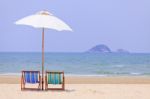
<point x="21" y="83"/>
<point x="46" y="86"/>
<point x="39" y="87"/>
<point x="63" y="86"/>
<point x="63" y="82"/>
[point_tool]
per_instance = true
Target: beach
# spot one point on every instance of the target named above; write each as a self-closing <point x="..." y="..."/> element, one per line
<point x="87" y="75"/>
<point x="81" y="87"/>
<point x="86" y="49"/>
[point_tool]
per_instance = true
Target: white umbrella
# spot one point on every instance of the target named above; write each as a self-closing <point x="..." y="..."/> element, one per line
<point x="44" y="19"/>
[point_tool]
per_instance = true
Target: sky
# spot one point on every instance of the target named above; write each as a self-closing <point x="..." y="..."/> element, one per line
<point x="116" y="23"/>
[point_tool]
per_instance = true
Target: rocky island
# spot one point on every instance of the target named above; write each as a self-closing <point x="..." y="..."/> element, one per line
<point x="100" y="49"/>
<point x="122" y="51"/>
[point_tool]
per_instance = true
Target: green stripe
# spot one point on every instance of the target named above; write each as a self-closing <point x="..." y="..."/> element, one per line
<point x="54" y="78"/>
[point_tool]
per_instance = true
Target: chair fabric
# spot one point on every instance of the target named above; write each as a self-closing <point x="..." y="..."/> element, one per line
<point x="54" y="78"/>
<point x="31" y="77"/>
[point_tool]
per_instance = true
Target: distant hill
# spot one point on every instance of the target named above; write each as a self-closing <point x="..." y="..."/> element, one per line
<point x="100" y="49"/>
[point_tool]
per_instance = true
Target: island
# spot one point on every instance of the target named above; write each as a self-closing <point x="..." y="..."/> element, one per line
<point x="122" y="51"/>
<point x="101" y="48"/>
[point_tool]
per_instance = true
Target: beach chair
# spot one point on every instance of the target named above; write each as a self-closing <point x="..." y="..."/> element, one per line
<point x="30" y="77"/>
<point x="54" y="78"/>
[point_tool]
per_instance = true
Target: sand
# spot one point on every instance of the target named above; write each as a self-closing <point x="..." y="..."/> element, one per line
<point x="80" y="91"/>
<point x="82" y="88"/>
<point x="87" y="80"/>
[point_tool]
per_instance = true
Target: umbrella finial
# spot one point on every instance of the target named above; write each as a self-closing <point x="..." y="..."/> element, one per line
<point x="44" y="12"/>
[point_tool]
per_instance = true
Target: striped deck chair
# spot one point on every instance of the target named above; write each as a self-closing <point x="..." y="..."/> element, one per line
<point x="30" y="77"/>
<point x="54" y="78"/>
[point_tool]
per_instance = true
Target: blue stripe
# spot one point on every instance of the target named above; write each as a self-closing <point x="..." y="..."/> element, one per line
<point x="27" y="77"/>
<point x="31" y="77"/>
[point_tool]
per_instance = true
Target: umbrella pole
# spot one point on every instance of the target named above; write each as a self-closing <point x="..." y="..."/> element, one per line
<point x="42" y="59"/>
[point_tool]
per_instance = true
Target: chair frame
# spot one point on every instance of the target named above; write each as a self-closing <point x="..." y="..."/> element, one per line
<point x="63" y="80"/>
<point x="23" y="81"/>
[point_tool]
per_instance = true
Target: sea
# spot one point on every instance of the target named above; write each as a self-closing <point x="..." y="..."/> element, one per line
<point x="77" y="64"/>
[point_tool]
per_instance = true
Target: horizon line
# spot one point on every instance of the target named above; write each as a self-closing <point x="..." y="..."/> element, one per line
<point x="69" y="52"/>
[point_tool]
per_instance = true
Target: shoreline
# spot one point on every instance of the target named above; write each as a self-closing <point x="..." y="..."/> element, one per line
<point x="87" y="75"/>
<point x="15" y="79"/>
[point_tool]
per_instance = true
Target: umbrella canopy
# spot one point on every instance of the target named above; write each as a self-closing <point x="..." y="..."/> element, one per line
<point x="44" y="19"/>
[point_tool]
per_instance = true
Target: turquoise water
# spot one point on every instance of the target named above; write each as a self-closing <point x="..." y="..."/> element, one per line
<point x="100" y="64"/>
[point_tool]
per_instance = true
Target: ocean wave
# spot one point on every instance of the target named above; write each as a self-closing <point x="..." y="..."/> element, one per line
<point x="136" y="73"/>
<point x="119" y="66"/>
